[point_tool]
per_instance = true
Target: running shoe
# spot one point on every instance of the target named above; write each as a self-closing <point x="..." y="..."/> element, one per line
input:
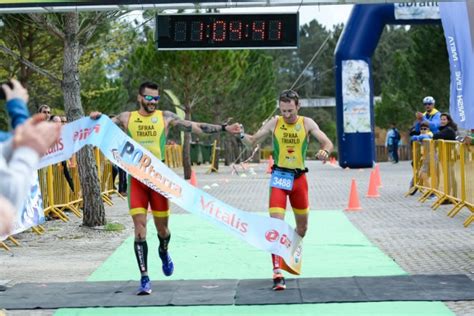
<point x="145" y="286"/>
<point x="168" y="266"/>
<point x="278" y="282"/>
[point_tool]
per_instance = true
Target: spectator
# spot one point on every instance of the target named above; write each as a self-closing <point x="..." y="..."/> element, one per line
<point x="45" y="109"/>
<point x="423" y="172"/>
<point x="19" y="156"/>
<point x="432" y="116"/>
<point x="122" y="185"/>
<point x="448" y="128"/>
<point x="391" y="142"/>
<point x="469" y="139"/>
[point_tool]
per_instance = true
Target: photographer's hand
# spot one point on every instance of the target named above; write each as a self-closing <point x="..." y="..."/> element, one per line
<point x="17" y="92"/>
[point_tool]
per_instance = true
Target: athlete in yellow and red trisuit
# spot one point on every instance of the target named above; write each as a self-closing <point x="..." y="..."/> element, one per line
<point x="149" y="127"/>
<point x="290" y="140"/>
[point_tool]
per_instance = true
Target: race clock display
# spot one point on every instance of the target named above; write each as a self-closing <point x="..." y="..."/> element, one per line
<point x="226" y="31"/>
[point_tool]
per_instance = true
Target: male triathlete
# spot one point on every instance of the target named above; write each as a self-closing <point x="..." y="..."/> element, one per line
<point x="149" y="127"/>
<point x="290" y="141"/>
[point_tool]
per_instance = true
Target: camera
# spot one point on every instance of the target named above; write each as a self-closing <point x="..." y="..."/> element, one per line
<point x="2" y="93"/>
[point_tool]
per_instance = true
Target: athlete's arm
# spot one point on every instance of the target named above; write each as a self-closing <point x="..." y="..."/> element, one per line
<point x="197" y="127"/>
<point x="325" y="143"/>
<point x="121" y="119"/>
<point x="261" y="134"/>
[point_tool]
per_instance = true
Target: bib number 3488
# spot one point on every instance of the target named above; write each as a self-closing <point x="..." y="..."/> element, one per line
<point x="282" y="180"/>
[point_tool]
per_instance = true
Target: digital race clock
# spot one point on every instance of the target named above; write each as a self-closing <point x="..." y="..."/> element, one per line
<point x="226" y="31"/>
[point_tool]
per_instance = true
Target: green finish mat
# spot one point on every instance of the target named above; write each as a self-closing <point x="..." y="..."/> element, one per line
<point x="333" y="247"/>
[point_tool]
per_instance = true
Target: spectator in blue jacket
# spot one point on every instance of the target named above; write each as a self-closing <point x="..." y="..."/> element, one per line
<point x="392" y="141"/>
<point x="431" y="115"/>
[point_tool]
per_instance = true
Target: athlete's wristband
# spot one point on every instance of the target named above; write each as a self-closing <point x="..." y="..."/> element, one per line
<point x="223" y="126"/>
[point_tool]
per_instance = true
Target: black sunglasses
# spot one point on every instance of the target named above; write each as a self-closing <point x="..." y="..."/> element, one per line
<point x="150" y="98"/>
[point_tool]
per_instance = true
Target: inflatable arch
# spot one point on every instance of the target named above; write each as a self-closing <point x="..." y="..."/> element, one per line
<point x="354" y="86"/>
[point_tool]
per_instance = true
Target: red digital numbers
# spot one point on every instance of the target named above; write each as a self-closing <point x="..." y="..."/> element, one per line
<point x="222" y="30"/>
<point x="218" y="31"/>
<point x="258" y="30"/>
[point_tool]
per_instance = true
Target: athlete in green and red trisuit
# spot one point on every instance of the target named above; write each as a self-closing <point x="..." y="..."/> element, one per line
<point x="149" y="127"/>
<point x="290" y="141"/>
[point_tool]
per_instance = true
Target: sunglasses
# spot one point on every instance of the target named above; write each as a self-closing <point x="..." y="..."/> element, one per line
<point x="150" y="98"/>
<point x="428" y="104"/>
<point x="289" y="94"/>
<point x="424" y="129"/>
<point x="46" y="112"/>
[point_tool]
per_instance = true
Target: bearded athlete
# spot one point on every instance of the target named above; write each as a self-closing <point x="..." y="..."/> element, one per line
<point x="149" y="127"/>
<point x="291" y="133"/>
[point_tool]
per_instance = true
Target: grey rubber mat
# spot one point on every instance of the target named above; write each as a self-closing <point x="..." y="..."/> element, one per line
<point x="240" y="292"/>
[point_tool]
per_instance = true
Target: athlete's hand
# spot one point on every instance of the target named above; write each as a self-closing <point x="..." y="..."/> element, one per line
<point x="322" y="154"/>
<point x="95" y="115"/>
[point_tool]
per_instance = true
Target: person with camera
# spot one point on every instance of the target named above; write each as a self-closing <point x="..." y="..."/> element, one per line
<point x="20" y="154"/>
<point x="17" y="111"/>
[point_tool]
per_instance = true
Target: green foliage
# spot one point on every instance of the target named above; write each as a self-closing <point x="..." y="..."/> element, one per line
<point x="419" y="67"/>
<point x="34" y="44"/>
<point x="98" y="92"/>
<point x="318" y="79"/>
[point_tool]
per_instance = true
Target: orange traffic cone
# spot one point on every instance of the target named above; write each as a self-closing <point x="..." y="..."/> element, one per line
<point x="354" y="203"/>
<point x="270" y="164"/>
<point x="373" y="192"/>
<point x="377" y="176"/>
<point x="193" y="179"/>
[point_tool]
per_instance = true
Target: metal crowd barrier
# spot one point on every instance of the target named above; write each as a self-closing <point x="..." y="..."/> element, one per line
<point x="445" y="170"/>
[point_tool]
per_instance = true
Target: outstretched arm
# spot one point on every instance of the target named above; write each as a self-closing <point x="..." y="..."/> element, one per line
<point x="121" y="119"/>
<point x="261" y="134"/>
<point x="198" y="127"/>
<point x="326" y="145"/>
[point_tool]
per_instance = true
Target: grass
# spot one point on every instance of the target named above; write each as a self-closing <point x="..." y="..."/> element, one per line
<point x="114" y="227"/>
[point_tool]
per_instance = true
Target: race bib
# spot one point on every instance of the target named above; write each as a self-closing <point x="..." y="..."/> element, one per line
<point x="282" y="180"/>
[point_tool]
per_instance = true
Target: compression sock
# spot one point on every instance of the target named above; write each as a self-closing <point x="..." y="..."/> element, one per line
<point x="141" y="252"/>
<point x="164" y="243"/>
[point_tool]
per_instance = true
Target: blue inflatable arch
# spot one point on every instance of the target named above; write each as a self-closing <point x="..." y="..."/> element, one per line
<point x="354" y="85"/>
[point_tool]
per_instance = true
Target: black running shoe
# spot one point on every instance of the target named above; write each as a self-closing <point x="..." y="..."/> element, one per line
<point x="278" y="282"/>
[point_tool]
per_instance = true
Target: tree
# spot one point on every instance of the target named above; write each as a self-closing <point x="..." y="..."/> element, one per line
<point x="76" y="31"/>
